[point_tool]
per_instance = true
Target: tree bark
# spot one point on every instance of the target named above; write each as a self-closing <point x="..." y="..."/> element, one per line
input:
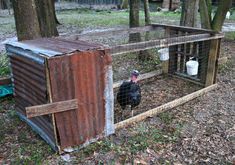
<point x="124" y="4"/>
<point x="189" y="13"/>
<point x="145" y="54"/>
<point x="46" y="18"/>
<point x="147" y="12"/>
<point x="54" y="12"/>
<point x="205" y="14"/>
<point x="166" y="4"/>
<point x="134" y="20"/>
<point x="34" y="19"/>
<point x="218" y="20"/>
<point x="26" y="19"/>
<point x="134" y="13"/>
<point x="220" y="15"/>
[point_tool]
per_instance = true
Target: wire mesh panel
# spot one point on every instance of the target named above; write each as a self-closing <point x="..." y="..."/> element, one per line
<point x="179" y="52"/>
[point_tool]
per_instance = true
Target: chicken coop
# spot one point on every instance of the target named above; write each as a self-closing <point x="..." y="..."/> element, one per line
<point x="66" y="90"/>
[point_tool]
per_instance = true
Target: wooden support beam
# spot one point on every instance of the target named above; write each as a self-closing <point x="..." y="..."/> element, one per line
<point x="51" y="108"/>
<point x="212" y="62"/>
<point x="165" y="64"/>
<point x="5" y="80"/>
<point x="141" y="77"/>
<point x="185" y="28"/>
<point x="118" y="31"/>
<point x="160" y="43"/>
<point x="164" y="107"/>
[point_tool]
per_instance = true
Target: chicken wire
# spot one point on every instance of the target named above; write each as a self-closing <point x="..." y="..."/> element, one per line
<point x="138" y="49"/>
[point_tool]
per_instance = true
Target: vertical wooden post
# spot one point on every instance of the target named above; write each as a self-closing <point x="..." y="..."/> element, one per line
<point x="173" y="55"/>
<point x="212" y="62"/>
<point x="165" y="64"/>
<point x="204" y="51"/>
<point x="50" y="101"/>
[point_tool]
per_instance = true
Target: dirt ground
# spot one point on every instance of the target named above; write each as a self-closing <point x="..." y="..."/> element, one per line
<point x="208" y="132"/>
<point x="207" y="135"/>
<point x="201" y="131"/>
<point x="155" y="92"/>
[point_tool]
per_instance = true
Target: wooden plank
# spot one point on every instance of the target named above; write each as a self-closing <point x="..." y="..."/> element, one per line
<point x="212" y="61"/>
<point x="160" y="43"/>
<point x="5" y="80"/>
<point x="141" y="77"/>
<point x="185" y="28"/>
<point x="165" y="64"/>
<point x="118" y="31"/>
<point x="217" y="61"/>
<point x="48" y="80"/>
<point x="51" y="108"/>
<point x="173" y="59"/>
<point x="151" y="27"/>
<point x="165" y="107"/>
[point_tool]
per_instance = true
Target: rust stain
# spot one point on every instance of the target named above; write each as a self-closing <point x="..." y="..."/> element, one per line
<point x="30" y="89"/>
<point x="81" y="76"/>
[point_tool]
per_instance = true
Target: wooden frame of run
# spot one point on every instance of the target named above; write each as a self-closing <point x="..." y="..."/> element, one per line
<point x="211" y="71"/>
<point x="174" y="37"/>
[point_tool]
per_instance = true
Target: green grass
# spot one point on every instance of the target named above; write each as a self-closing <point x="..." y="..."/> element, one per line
<point x="230" y="35"/>
<point x="4" y="65"/>
<point x="91" y="19"/>
<point x="141" y="137"/>
<point x="25" y="146"/>
<point x="226" y="67"/>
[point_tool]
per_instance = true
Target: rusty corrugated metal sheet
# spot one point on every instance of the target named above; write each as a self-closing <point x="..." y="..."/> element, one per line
<point x="82" y="76"/>
<point x="30" y="89"/>
<point x="54" y="46"/>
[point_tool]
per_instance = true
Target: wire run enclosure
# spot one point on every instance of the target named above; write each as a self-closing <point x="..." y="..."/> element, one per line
<point x="64" y="89"/>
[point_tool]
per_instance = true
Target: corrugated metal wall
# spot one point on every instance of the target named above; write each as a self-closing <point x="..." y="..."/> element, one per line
<point x="30" y="89"/>
<point x="81" y="76"/>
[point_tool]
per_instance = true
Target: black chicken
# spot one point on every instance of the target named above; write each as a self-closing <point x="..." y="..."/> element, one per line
<point x="129" y="92"/>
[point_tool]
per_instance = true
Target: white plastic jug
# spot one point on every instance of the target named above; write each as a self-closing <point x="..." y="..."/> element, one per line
<point x="192" y="67"/>
<point x="164" y="54"/>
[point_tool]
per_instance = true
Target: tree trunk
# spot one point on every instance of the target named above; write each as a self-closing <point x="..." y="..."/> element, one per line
<point x="166" y="4"/>
<point x="124" y="4"/>
<point x="145" y="54"/>
<point x="1" y="4"/>
<point x="220" y="15"/>
<point x="205" y="14"/>
<point x="46" y="18"/>
<point x="54" y="12"/>
<point x="134" y="13"/>
<point x="147" y="12"/>
<point x="34" y="19"/>
<point x="26" y="19"/>
<point x="189" y="13"/>
<point x="134" y="20"/>
<point x="218" y="20"/>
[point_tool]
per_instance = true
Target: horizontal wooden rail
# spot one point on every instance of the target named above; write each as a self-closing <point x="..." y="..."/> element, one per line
<point x="184" y="28"/>
<point x="118" y="31"/>
<point x="159" y="43"/>
<point x="141" y="77"/>
<point x="51" y="108"/>
<point x="165" y="107"/>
